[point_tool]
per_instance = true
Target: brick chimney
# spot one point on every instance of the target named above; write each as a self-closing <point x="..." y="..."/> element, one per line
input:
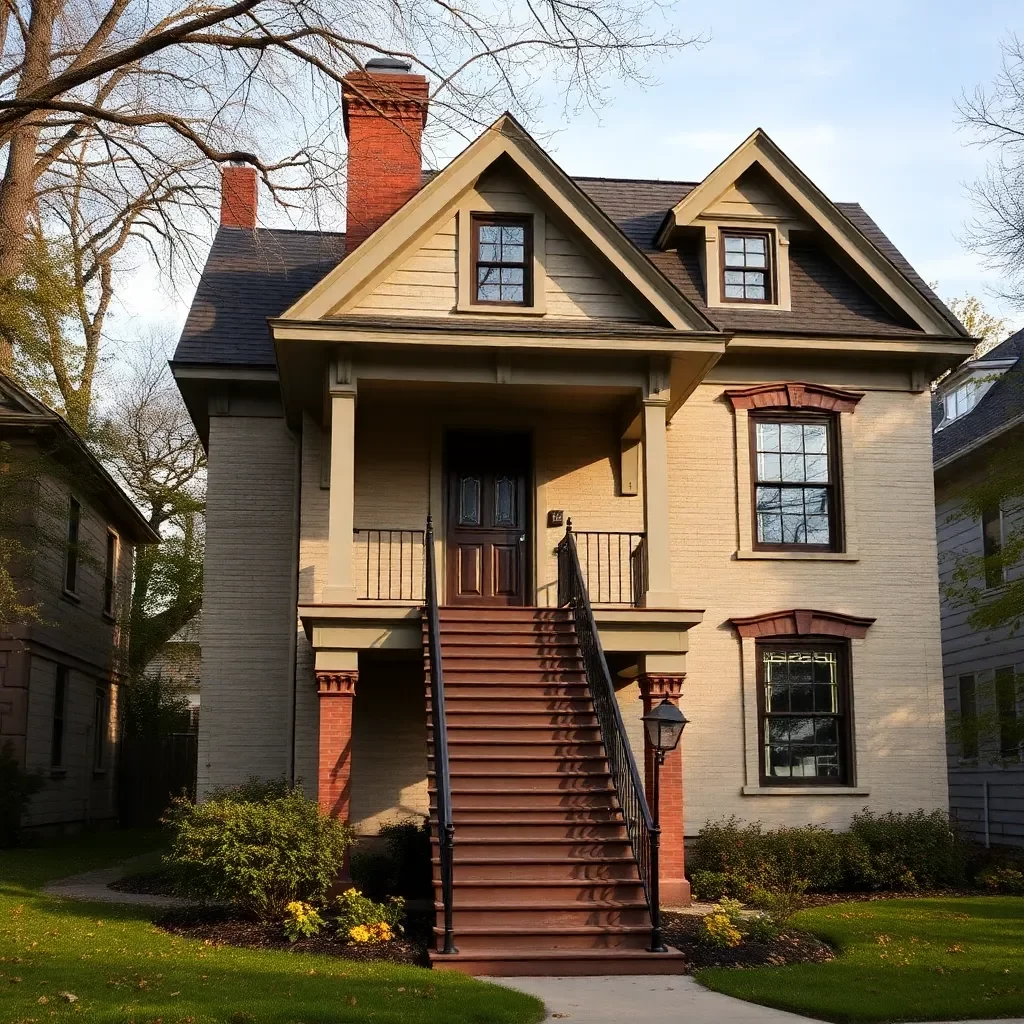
<point x="385" y="108"/>
<point x="238" y="194"/>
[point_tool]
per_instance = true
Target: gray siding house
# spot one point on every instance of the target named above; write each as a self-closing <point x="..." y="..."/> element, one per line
<point x="979" y="417"/>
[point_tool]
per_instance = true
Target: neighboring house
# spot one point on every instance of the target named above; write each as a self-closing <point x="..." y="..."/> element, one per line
<point x="724" y="384"/>
<point x="60" y="675"/>
<point x="179" y="662"/>
<point x="979" y="409"/>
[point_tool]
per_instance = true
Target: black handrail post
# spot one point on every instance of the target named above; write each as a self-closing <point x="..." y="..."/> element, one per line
<point x="657" y="943"/>
<point x="442" y="779"/>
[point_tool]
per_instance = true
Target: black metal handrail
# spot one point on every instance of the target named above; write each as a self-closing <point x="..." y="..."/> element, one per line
<point x="614" y="564"/>
<point x="394" y="563"/>
<point x="644" y="834"/>
<point x="439" y="721"/>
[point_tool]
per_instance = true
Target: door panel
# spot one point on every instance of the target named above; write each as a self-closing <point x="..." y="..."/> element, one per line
<point x="487" y="517"/>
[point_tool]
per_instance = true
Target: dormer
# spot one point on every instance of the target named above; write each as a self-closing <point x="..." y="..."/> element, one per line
<point x="963" y="389"/>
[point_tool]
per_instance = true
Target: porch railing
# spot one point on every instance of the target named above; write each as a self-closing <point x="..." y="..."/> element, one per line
<point x="439" y="723"/>
<point x="644" y="834"/>
<point x="614" y="565"/>
<point x="389" y="564"/>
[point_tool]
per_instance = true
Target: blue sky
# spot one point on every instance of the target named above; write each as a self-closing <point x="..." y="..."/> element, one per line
<point x="861" y="95"/>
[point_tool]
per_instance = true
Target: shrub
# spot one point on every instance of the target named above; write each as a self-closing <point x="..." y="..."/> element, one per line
<point x="364" y="920"/>
<point x="254" y="791"/>
<point x="761" y="928"/>
<point x="718" y="931"/>
<point x="710" y="886"/>
<point x="17" y="788"/>
<point x="1006" y="880"/>
<point x="257" y="856"/>
<point x="402" y="868"/>
<point x="779" y="905"/>
<point x="910" y="851"/>
<point x="301" y="921"/>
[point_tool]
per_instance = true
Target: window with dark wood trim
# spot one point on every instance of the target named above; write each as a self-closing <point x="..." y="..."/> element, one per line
<point x="1010" y="733"/>
<point x="992" y="545"/>
<point x="968" y="717"/>
<point x="502" y="260"/>
<point x="99" y="725"/>
<point x="110" y="574"/>
<point x="747" y="266"/>
<point x="71" y="558"/>
<point x="60" y="703"/>
<point x="804" y="713"/>
<point x="796" y="482"/>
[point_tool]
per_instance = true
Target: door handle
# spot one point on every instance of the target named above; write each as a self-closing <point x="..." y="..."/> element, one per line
<point x="522" y="538"/>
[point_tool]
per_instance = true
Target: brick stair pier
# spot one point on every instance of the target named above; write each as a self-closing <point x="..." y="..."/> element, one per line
<point x="545" y="877"/>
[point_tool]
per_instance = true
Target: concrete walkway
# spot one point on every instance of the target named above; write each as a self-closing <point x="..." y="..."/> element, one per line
<point x="92" y="885"/>
<point x="649" y="1000"/>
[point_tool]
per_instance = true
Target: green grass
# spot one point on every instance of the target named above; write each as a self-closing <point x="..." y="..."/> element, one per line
<point x="122" y="969"/>
<point x="899" y="960"/>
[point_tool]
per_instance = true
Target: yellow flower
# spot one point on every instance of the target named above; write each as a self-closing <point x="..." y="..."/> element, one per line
<point x="382" y="932"/>
<point x="360" y="933"/>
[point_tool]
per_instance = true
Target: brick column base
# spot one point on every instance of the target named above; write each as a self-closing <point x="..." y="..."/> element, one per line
<point x="334" y="778"/>
<point x="675" y="889"/>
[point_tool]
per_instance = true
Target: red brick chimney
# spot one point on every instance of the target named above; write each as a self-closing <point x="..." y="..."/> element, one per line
<point x="385" y="108"/>
<point x="238" y="193"/>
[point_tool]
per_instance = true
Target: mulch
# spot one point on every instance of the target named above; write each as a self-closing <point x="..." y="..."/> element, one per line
<point x="680" y="930"/>
<point x="221" y="927"/>
<point x="146" y="883"/>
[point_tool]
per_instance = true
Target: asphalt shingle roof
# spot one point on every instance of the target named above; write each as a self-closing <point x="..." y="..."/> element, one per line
<point x="251" y="276"/>
<point x="1001" y="404"/>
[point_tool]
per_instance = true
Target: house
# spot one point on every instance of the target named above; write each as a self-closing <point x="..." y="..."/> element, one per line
<point x="178" y="663"/>
<point x="723" y="384"/>
<point x="979" y="417"/>
<point x="61" y="670"/>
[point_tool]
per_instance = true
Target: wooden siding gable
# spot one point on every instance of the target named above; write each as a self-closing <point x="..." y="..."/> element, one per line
<point x="415" y="240"/>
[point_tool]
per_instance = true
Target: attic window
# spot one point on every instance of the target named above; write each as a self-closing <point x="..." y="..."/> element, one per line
<point x="502" y="256"/>
<point x="960" y="401"/>
<point x="747" y="266"/>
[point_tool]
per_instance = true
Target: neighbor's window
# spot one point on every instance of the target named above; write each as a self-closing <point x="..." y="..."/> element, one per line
<point x="746" y="266"/>
<point x="71" y="561"/>
<point x="968" y="718"/>
<point x="60" y="703"/>
<point x="110" y="574"/>
<point x="804" y="721"/>
<point x="960" y="400"/>
<point x="795" y="483"/>
<point x="501" y="260"/>
<point x="1006" y="708"/>
<point x="992" y="545"/>
<point x="99" y="725"/>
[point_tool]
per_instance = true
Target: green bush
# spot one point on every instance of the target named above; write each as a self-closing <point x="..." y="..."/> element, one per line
<point x="402" y="868"/>
<point x="254" y="790"/>
<point x="779" y="905"/>
<point x="761" y="928"/>
<point x="17" y="788"/>
<point x="256" y="856"/>
<point x="1006" y="880"/>
<point x="710" y="886"/>
<point x="910" y="851"/>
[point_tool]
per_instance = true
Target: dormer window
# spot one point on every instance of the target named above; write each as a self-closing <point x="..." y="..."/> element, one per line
<point x="960" y="401"/>
<point x="502" y="257"/>
<point x="747" y="266"/>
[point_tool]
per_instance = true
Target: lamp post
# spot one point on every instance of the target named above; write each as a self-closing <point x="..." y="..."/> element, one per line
<point x="664" y="725"/>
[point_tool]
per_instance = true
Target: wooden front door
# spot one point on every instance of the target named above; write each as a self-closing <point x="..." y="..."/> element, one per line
<point x="487" y="537"/>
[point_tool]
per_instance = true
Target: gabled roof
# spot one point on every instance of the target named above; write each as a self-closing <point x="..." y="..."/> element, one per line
<point x="999" y="409"/>
<point x="21" y="412"/>
<point x="505" y="139"/>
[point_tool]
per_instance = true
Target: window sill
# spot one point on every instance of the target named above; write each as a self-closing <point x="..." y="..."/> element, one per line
<point x="501" y="310"/>
<point x="805" y="791"/>
<point x="70" y="595"/>
<point x="797" y="556"/>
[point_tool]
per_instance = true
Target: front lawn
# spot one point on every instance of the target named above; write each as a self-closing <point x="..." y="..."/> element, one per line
<point x="60" y="958"/>
<point x="900" y="960"/>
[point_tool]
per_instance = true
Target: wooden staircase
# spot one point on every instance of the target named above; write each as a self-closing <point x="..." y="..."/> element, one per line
<point x="545" y="881"/>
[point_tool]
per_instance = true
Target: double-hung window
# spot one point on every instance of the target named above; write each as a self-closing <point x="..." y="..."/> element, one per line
<point x="71" y="556"/>
<point x="803" y="704"/>
<point x="1010" y="732"/>
<point x="992" y="545"/>
<point x="502" y="260"/>
<point x="795" y="483"/>
<point x="747" y="274"/>
<point x="110" y="575"/>
<point x="968" y="695"/>
<point x="60" y="704"/>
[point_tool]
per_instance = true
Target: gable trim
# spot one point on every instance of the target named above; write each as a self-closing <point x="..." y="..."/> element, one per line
<point x="759" y="149"/>
<point x="391" y="243"/>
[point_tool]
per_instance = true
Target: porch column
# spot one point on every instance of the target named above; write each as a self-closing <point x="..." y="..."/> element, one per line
<point x="337" y="690"/>
<point x="675" y="889"/>
<point x="659" y="593"/>
<point x="341" y="588"/>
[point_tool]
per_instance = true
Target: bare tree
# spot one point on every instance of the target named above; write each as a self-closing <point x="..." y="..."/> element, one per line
<point x="994" y="115"/>
<point x="147" y="439"/>
<point x="257" y="80"/>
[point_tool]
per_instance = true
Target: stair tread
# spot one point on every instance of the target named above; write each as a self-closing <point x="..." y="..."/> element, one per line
<point x="582" y="929"/>
<point x="510" y="859"/>
<point x="545" y="883"/>
<point x="557" y="905"/>
<point x="548" y="953"/>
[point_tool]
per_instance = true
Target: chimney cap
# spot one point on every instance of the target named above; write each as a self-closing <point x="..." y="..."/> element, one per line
<point x="389" y="65"/>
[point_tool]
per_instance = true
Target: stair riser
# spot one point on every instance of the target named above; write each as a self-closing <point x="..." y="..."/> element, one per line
<point x="531" y="677"/>
<point x="513" y="706"/>
<point x="468" y="660"/>
<point x="511" y="645"/>
<point x="541" y="919"/>
<point x="553" y="750"/>
<point x="535" y="717"/>
<point x="517" y="816"/>
<point x="536" y="799"/>
<point x="562" y="871"/>
<point x="462" y="763"/>
<point x="509" y="734"/>
<point x="553" y="783"/>
<point x="610" y="831"/>
<point x="546" y="967"/>
<point x="513" y="848"/>
<point x="471" y="943"/>
<point x="504" y="892"/>
<point x="471" y="689"/>
<point x="503" y="615"/>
